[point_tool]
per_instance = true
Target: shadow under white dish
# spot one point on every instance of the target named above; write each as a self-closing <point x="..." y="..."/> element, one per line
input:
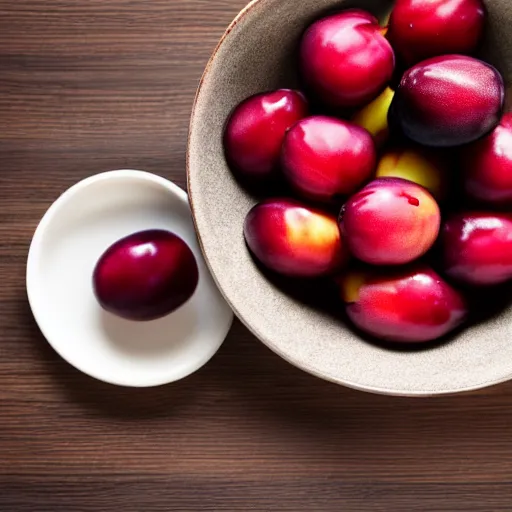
<point x="73" y="234"/>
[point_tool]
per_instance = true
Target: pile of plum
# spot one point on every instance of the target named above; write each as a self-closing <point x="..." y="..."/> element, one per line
<point x="397" y="161"/>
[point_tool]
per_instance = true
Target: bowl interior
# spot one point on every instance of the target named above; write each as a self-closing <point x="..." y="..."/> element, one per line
<point x="257" y="54"/>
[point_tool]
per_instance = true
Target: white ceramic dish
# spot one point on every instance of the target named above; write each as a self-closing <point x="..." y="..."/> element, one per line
<point x="70" y="238"/>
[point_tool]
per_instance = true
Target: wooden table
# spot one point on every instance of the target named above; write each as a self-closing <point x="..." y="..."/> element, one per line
<point x="93" y="85"/>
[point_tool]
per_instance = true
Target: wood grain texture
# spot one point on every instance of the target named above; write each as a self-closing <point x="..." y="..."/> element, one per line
<point x="89" y="86"/>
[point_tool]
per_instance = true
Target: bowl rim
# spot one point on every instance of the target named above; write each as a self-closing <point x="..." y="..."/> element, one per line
<point x="269" y="343"/>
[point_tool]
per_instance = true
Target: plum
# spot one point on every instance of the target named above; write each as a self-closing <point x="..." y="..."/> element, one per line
<point x="374" y="117"/>
<point x="408" y="305"/>
<point x="477" y="248"/>
<point x="417" y="165"/>
<point x="345" y="59"/>
<point x="323" y="158"/>
<point x="420" y="29"/>
<point x="255" y="131"/>
<point x="293" y="239"/>
<point x="448" y="101"/>
<point x="391" y="221"/>
<point x="487" y="166"/>
<point x="145" y="275"/>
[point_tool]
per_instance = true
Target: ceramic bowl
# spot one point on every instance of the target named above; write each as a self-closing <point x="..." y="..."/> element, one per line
<point x="257" y="53"/>
<point x="74" y="232"/>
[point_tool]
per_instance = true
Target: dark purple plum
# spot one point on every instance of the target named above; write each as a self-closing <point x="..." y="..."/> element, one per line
<point x="477" y="248"/>
<point x="408" y="305"/>
<point x="294" y="239"/>
<point x="324" y="158"/>
<point x="255" y="131"/>
<point x="391" y="221"/>
<point x="146" y="275"/>
<point x="448" y="101"/>
<point x="487" y="166"/>
<point x="345" y="59"/>
<point x="420" y="29"/>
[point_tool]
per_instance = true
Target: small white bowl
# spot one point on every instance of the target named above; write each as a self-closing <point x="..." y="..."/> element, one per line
<point x="73" y="234"/>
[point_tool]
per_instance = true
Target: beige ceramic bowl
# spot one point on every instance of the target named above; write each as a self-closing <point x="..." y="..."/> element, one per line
<point x="256" y="54"/>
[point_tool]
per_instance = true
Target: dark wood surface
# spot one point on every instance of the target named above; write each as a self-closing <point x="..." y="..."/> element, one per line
<point x="94" y="85"/>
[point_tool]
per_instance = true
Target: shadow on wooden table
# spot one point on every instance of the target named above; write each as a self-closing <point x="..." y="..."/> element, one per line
<point x="325" y="420"/>
<point x="246" y="390"/>
<point x="103" y="399"/>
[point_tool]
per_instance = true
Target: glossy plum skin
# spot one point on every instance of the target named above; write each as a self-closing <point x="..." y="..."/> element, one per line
<point x="448" y="101"/>
<point x="323" y="158"/>
<point x="391" y="221"/>
<point x="374" y="117"/>
<point x="410" y="305"/>
<point x="293" y="239"/>
<point x="255" y="131"/>
<point x="345" y="59"/>
<point x="146" y="275"/>
<point x="477" y="248"/>
<point x="487" y="166"/>
<point x="420" y="29"/>
<point x="416" y="165"/>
